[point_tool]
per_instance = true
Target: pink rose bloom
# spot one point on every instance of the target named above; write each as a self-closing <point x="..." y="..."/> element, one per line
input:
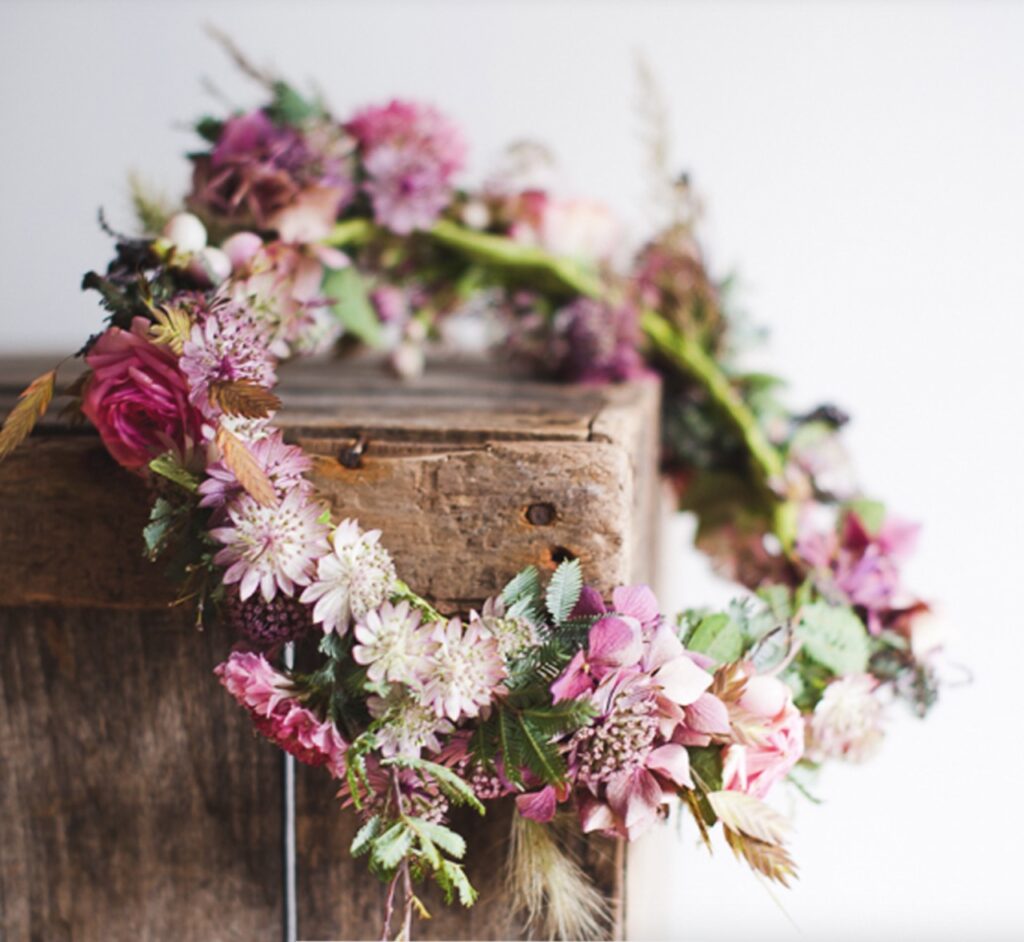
<point x="755" y="769"/>
<point x="138" y="398"/>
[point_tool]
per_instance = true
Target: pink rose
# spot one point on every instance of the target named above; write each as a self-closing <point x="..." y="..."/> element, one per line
<point x="755" y="769"/>
<point x="137" y="397"/>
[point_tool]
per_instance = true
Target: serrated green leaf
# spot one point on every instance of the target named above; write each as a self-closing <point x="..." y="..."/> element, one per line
<point x="164" y="521"/>
<point x="539" y="755"/>
<point x="834" y="637"/>
<point x="564" y="590"/>
<point x="444" y="837"/>
<point x="454" y="878"/>
<point x="391" y="846"/>
<point x="454" y="787"/>
<point x="524" y="587"/>
<point x="717" y="636"/>
<point x="365" y="836"/>
<point x="351" y="305"/>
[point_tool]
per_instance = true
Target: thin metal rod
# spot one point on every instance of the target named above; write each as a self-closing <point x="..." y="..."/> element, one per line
<point x="291" y="916"/>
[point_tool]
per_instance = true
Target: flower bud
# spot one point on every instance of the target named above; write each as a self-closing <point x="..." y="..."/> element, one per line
<point x="186" y="232"/>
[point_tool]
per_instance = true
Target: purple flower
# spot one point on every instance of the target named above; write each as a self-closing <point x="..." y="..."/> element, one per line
<point x="410" y="154"/>
<point x="285" y="465"/>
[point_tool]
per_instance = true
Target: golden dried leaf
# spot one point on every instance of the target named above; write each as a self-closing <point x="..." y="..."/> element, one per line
<point x="730" y="683"/>
<point x="172" y="328"/>
<point x="31" y="405"/>
<point x="698" y="816"/>
<point x="244" y="398"/>
<point x="244" y="466"/>
<point x="749" y="815"/>
<point x="769" y="859"/>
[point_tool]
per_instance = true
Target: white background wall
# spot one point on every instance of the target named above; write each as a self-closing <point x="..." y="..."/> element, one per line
<point x="862" y="167"/>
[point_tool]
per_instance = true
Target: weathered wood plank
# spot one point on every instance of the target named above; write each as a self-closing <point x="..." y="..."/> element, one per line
<point x="136" y="803"/>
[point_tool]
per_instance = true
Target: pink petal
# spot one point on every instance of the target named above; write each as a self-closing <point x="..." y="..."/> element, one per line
<point x="707" y="714"/>
<point x="590" y="603"/>
<point x="682" y="681"/>
<point x="573" y="681"/>
<point x="615" y="642"/>
<point x="635" y="797"/>
<point x="664" y="646"/>
<point x="672" y="760"/>
<point x="538" y="806"/>
<point x="595" y="815"/>
<point x="638" y="601"/>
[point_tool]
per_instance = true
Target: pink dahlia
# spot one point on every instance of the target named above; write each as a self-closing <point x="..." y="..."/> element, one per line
<point x="225" y="345"/>
<point x="392" y="644"/>
<point x="410" y="153"/>
<point x="270" y="548"/>
<point x="355" y="577"/>
<point x="466" y="670"/>
<point x="138" y="398"/>
<point x="268" y="696"/>
<point x="285" y="465"/>
<point x="777" y="742"/>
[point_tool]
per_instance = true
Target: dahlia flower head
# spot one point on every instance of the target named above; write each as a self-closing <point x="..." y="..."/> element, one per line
<point x="267" y="695"/>
<point x="410" y="154"/>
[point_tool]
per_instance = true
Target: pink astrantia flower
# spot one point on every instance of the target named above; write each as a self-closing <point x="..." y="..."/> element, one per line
<point x="515" y="634"/>
<point x="268" y="696"/>
<point x="756" y="768"/>
<point x="138" y="398"/>
<point x="392" y="644"/>
<point x="285" y="465"/>
<point x="863" y="567"/>
<point x="847" y="721"/>
<point x="466" y="670"/>
<point x="355" y="577"/>
<point x="225" y="345"/>
<point x="410" y="154"/>
<point x="406" y="727"/>
<point x="270" y="548"/>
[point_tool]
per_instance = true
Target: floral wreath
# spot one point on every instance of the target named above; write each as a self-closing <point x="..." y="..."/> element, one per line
<point x="302" y="233"/>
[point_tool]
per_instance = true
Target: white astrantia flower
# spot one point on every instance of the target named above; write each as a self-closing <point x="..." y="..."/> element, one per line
<point x="847" y="721"/>
<point x="392" y="644"/>
<point x="270" y="548"/>
<point x="515" y="634"/>
<point x="356" y="576"/>
<point x="466" y="670"/>
<point x="407" y="727"/>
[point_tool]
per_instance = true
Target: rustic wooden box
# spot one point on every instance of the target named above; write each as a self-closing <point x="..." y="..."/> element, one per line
<point x="136" y="802"/>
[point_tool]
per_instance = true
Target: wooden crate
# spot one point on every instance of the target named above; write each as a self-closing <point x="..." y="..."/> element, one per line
<point x="136" y="802"/>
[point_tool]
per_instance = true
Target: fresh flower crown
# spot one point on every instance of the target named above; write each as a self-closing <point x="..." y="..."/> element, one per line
<point x="302" y="231"/>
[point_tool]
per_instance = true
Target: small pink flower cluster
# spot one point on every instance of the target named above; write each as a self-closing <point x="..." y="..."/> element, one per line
<point x="268" y="697"/>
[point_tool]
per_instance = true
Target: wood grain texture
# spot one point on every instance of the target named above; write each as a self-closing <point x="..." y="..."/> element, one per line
<point x="136" y="802"/>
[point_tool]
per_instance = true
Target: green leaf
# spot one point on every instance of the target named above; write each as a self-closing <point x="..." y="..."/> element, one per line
<point x="564" y="590"/>
<point x="168" y="466"/>
<point x="165" y="520"/>
<point x="539" y="755"/>
<point x="454" y="787"/>
<point x="870" y="512"/>
<point x="719" y="637"/>
<point x="706" y="768"/>
<point x="524" y="587"/>
<point x="365" y="836"/>
<point x="834" y="637"/>
<point x="563" y="717"/>
<point x="451" y="843"/>
<point x="452" y="877"/>
<point x="289" y="107"/>
<point x="350" y="304"/>
<point x="391" y="846"/>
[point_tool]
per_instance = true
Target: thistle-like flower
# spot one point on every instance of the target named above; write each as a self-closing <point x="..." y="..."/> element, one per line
<point x="285" y="465"/>
<point x="284" y="618"/>
<point x="466" y="670"/>
<point x="407" y="727"/>
<point x="514" y="633"/>
<point x="355" y="577"/>
<point x="225" y="345"/>
<point x="271" y="548"/>
<point x="392" y="644"/>
<point x="847" y="722"/>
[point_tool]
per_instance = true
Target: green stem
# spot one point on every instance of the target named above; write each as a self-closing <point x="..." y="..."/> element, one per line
<point x="765" y="459"/>
<point x="351" y="231"/>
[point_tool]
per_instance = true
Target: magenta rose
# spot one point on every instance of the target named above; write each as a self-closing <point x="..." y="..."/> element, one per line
<point x="755" y="769"/>
<point x="137" y="397"/>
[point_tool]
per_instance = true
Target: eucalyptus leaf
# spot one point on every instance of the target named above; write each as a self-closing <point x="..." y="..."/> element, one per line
<point x="717" y="636"/>
<point x="834" y="637"/>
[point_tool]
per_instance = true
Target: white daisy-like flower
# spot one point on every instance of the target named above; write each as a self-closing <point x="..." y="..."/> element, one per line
<point x="355" y="577"/>
<point x="847" y="722"/>
<point x="407" y="727"/>
<point x="270" y="548"/>
<point x="466" y="670"/>
<point x="515" y="634"/>
<point x="392" y="644"/>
